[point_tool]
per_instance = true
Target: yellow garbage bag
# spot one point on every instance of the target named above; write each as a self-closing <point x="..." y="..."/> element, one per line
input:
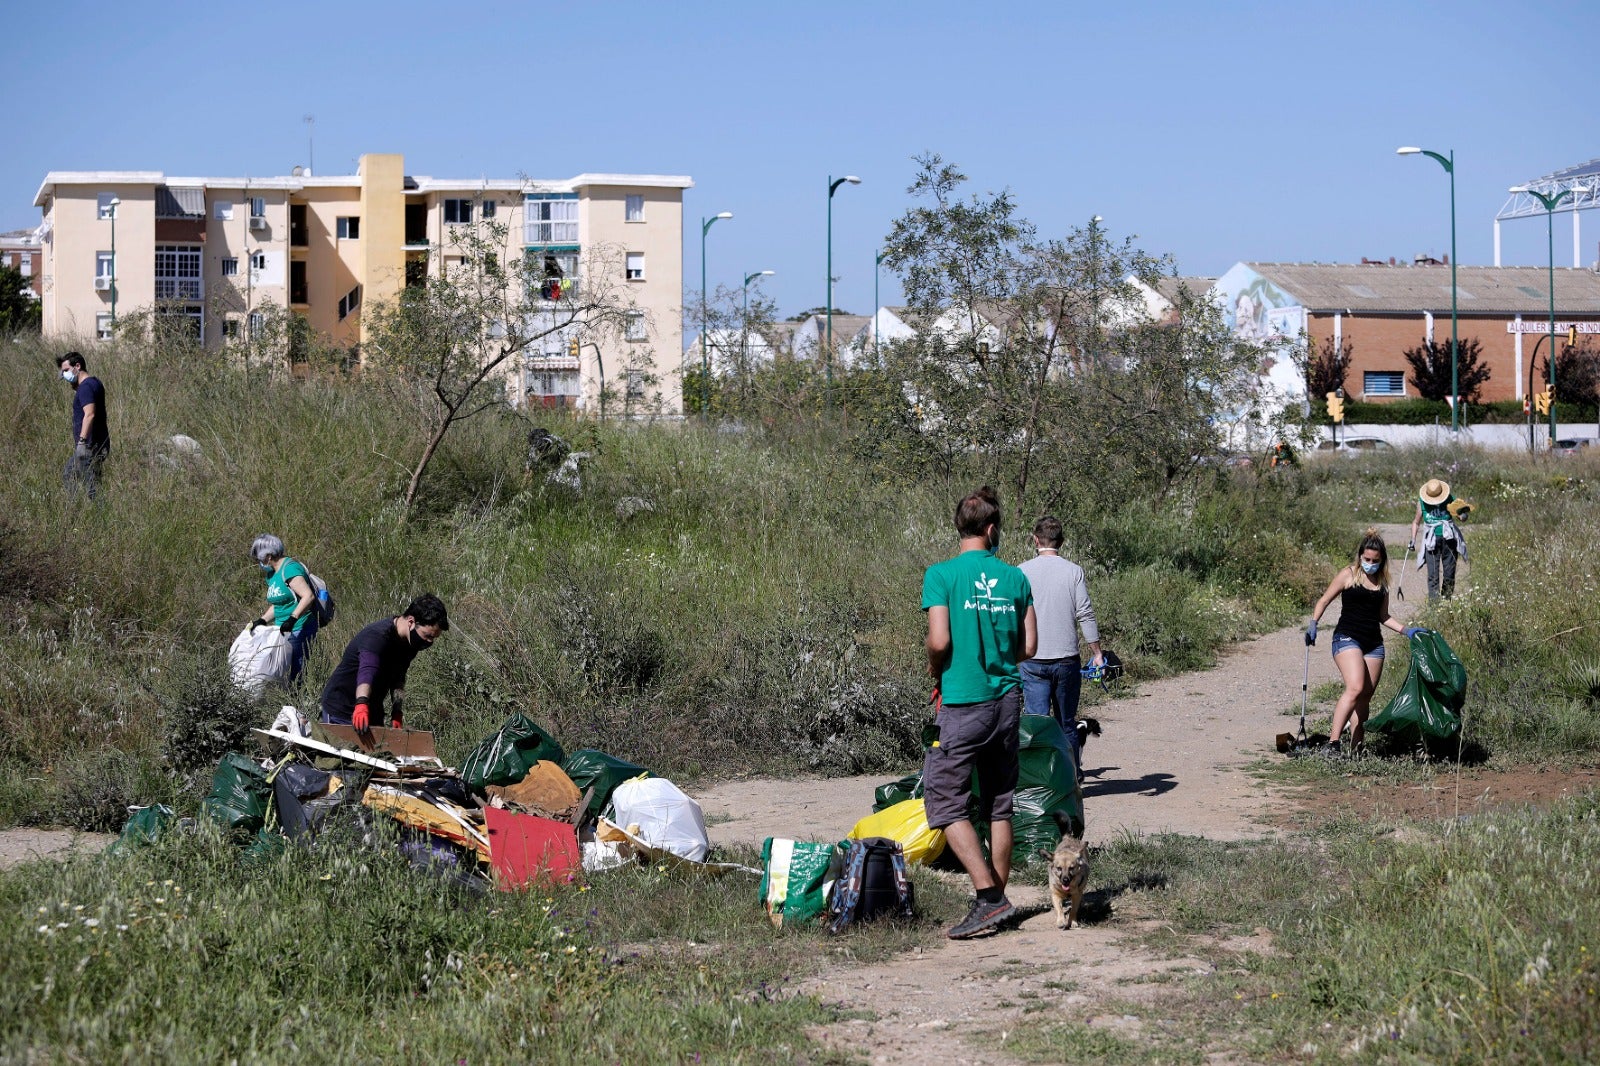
<point x="907" y="823"/>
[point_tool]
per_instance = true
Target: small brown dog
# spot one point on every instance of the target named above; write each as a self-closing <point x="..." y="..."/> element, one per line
<point x="1069" y="871"/>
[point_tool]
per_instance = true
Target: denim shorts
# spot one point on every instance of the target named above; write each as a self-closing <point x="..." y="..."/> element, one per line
<point x="1344" y="643"/>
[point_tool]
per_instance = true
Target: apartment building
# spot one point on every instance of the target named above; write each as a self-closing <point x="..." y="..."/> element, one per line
<point x="214" y="251"/>
<point x="19" y="250"/>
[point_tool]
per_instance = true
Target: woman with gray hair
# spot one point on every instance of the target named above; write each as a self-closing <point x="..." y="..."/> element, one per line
<point x="291" y="601"/>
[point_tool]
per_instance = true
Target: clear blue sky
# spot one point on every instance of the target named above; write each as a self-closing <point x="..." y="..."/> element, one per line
<point x="1215" y="132"/>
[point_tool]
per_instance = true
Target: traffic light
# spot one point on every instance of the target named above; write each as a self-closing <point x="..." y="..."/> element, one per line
<point x="1572" y="336"/>
<point x="1541" y="400"/>
<point x="1335" y="407"/>
<point x="572" y="347"/>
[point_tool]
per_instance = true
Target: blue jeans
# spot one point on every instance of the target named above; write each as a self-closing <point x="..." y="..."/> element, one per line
<point x="300" y="646"/>
<point x="1052" y="687"/>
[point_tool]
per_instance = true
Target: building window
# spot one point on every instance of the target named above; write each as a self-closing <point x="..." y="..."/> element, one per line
<point x="102" y="327"/>
<point x="258" y="261"/>
<point x="230" y="267"/>
<point x="554" y="388"/>
<point x="256" y="322"/>
<point x="349" y="227"/>
<point x="230" y="329"/>
<point x="258" y="207"/>
<point x="25" y="266"/>
<point x="1383" y="383"/>
<point x="488" y="209"/>
<point x="223" y="209"/>
<point x="633" y="326"/>
<point x="178" y="272"/>
<point x="635" y="266"/>
<point x="458" y="212"/>
<point x="186" y="319"/>
<point x="104" y="265"/>
<point x="635" y="385"/>
<point x="299" y="292"/>
<point x="349" y="302"/>
<point x="635" y="208"/>
<point x="106" y="209"/>
<point x="551" y="218"/>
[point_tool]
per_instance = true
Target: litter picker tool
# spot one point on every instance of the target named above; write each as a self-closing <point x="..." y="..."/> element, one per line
<point x="1288" y="742"/>
<point x="1400" y="586"/>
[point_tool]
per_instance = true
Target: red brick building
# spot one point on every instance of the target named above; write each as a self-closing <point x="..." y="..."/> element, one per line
<point x="1382" y="309"/>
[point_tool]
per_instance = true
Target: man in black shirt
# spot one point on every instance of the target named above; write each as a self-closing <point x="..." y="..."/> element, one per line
<point x="375" y="662"/>
<point x="91" y="436"/>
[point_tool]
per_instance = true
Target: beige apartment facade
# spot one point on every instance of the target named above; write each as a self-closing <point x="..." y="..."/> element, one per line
<point x="215" y="253"/>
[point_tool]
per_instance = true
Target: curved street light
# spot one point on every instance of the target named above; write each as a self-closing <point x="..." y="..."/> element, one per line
<point x="744" y="317"/>
<point x="1449" y="164"/>
<point x="877" y="311"/>
<point x="833" y="187"/>
<point x="705" y="341"/>
<point x="1550" y="203"/>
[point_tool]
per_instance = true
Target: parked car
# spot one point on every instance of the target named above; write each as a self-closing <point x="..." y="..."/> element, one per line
<point x="1568" y="447"/>
<point x="1353" y="445"/>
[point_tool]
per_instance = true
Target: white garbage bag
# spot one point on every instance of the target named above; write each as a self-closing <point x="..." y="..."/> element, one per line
<point x="666" y="818"/>
<point x="258" y="655"/>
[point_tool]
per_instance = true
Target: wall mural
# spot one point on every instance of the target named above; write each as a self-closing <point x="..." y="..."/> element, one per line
<point x="1261" y="313"/>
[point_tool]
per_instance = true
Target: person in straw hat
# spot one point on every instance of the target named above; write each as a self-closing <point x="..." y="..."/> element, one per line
<point x="1441" y="538"/>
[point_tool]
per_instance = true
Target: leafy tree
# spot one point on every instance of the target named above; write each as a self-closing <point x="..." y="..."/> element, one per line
<point x="452" y="343"/>
<point x="20" y="310"/>
<point x="741" y="356"/>
<point x="1430" y="369"/>
<point x="1035" y="359"/>
<point x="1327" y="366"/>
<point x="801" y="316"/>
<point x="1577" y="374"/>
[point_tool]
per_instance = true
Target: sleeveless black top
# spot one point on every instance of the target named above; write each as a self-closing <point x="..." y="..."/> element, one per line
<point x="1360" y="616"/>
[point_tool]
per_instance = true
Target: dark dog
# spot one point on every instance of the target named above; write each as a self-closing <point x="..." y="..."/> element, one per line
<point x="1086" y="728"/>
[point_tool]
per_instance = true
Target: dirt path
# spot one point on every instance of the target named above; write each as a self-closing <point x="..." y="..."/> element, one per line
<point x="1171" y="759"/>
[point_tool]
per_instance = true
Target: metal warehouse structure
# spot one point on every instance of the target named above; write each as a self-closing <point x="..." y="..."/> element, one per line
<point x="1582" y="182"/>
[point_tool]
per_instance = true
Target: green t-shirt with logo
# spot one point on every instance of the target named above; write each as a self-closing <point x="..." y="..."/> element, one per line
<point x="282" y="597"/>
<point x="987" y="599"/>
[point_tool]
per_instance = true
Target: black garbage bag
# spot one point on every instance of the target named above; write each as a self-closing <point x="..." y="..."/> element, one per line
<point x="1427" y="709"/>
<point x="604" y="772"/>
<point x="506" y="757"/>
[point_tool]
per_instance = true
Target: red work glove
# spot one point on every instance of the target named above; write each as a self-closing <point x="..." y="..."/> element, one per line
<point x="394" y="721"/>
<point x="362" y="719"/>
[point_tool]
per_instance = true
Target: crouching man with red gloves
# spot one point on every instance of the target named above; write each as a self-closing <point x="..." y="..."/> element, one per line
<point x="375" y="662"/>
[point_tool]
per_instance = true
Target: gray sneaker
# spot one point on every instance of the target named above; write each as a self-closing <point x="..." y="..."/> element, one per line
<point x="981" y="918"/>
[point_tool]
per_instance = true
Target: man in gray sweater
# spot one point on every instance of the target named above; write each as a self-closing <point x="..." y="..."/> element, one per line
<point x="1053" y="678"/>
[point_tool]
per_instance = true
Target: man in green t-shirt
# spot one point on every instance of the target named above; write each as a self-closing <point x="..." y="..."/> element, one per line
<point x="980" y="628"/>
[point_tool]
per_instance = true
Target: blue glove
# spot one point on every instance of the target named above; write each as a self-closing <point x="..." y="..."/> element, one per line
<point x="1412" y="631"/>
<point x="1311" y="633"/>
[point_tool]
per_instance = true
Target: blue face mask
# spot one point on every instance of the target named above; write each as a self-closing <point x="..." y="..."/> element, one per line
<point x="1370" y="568"/>
<point x="266" y="568"/>
<point x="67" y="376"/>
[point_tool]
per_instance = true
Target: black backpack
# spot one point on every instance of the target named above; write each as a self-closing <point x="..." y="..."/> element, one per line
<point x="871" y="883"/>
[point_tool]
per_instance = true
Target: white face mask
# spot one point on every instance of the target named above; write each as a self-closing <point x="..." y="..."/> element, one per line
<point x="67" y="376"/>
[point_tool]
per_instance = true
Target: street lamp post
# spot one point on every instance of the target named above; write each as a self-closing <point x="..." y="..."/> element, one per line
<point x="705" y="341"/>
<point x="833" y="187"/>
<point x="744" y="319"/>
<point x="1094" y="282"/>
<point x="1550" y="203"/>
<point x="116" y="202"/>
<point x="877" y="312"/>
<point x="1449" y="164"/>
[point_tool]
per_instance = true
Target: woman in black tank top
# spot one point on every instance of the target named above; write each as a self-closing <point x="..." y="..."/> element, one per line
<point x="1362" y="589"/>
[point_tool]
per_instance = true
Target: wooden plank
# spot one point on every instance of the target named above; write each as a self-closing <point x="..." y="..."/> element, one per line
<point x="328" y="749"/>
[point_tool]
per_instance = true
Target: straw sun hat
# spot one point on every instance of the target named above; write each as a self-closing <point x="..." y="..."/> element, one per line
<point x="1435" y="492"/>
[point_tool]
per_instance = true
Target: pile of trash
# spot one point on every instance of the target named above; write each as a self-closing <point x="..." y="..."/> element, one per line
<point x="520" y="810"/>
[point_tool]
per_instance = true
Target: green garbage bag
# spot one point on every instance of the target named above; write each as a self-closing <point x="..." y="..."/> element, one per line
<point x="604" y="772"/>
<point x="268" y="844"/>
<point x="506" y="757"/>
<point x="1428" y="706"/>
<point x="144" y="826"/>
<point x="239" y="795"/>
<point x="794" y="877"/>
<point x="1047" y="784"/>
<point x="908" y="787"/>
